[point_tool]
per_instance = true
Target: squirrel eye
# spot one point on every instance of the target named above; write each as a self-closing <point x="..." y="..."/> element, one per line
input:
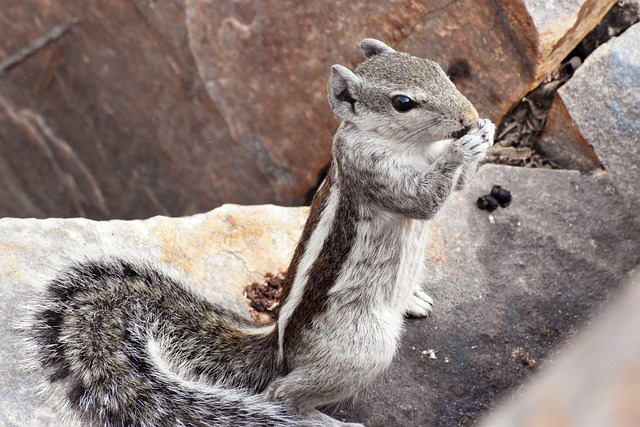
<point x="403" y="103"/>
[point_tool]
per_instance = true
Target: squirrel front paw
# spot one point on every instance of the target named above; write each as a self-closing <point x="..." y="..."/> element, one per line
<point x="475" y="143"/>
<point x="485" y="129"/>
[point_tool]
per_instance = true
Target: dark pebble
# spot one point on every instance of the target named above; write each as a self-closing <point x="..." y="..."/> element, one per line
<point x="502" y="195"/>
<point x="487" y="203"/>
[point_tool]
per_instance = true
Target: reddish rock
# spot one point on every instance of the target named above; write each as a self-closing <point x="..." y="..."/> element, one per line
<point x="563" y="144"/>
<point x="176" y="107"/>
<point x="560" y="25"/>
<point x="113" y="120"/>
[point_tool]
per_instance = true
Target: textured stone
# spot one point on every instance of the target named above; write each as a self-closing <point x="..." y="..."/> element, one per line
<point x="114" y="121"/>
<point x="601" y="106"/>
<point x="595" y="382"/>
<point x="527" y="277"/>
<point x="563" y="144"/>
<point x="176" y="107"/>
<point x="219" y="252"/>
<point x="559" y="25"/>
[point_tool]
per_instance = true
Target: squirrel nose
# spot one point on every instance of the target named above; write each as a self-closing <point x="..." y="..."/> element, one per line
<point x="469" y="116"/>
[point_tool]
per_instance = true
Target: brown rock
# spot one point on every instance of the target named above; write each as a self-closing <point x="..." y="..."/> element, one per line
<point x="563" y="144"/>
<point x="113" y="120"/>
<point x="559" y="27"/>
<point x="175" y="107"/>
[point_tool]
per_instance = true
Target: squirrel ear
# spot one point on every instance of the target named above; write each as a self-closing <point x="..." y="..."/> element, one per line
<point x="373" y="47"/>
<point x="341" y="90"/>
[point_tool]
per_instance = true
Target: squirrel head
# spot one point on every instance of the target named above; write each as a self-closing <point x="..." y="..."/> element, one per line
<point x="395" y="93"/>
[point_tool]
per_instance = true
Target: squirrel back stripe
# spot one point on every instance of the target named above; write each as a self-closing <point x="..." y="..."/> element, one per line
<point x="321" y="277"/>
<point x="314" y="235"/>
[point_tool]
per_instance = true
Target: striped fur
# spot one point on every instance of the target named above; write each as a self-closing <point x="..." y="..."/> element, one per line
<point x="123" y="344"/>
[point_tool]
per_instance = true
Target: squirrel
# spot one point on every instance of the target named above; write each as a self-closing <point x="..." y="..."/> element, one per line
<point x="122" y="343"/>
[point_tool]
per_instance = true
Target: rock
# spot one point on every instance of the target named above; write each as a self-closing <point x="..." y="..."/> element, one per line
<point x="563" y="144"/>
<point x="508" y="287"/>
<point x="114" y="121"/>
<point x="559" y="25"/>
<point x="218" y="253"/>
<point x="522" y="277"/>
<point x="600" y="107"/>
<point x="173" y="108"/>
<point x="594" y="381"/>
<point x="622" y="15"/>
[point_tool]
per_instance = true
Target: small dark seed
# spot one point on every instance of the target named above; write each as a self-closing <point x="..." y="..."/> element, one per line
<point x="487" y="203"/>
<point x="502" y="195"/>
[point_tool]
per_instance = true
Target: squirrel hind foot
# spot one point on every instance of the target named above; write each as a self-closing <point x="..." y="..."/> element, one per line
<point x="420" y="304"/>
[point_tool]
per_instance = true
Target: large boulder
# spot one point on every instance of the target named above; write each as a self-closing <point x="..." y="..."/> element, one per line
<point x="176" y="107"/>
<point x="508" y="285"/>
<point x="218" y="254"/>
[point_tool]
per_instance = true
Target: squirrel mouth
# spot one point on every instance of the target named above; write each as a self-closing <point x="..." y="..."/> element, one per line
<point x="460" y="133"/>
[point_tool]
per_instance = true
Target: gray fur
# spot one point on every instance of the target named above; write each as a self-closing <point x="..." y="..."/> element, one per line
<point x="124" y="344"/>
<point x="342" y="84"/>
<point x="373" y="47"/>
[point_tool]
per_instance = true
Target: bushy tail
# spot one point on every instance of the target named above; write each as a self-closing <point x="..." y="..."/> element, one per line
<point x="124" y="345"/>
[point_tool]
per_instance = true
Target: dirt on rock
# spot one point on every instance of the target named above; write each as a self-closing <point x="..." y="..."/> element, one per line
<point x="264" y="297"/>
